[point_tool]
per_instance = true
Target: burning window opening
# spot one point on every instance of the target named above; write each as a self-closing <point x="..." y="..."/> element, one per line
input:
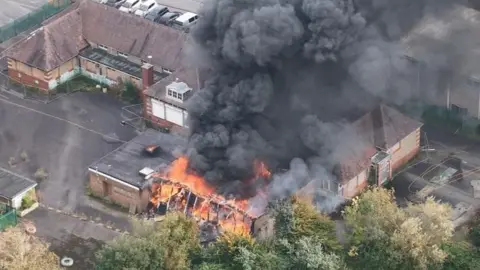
<point x="178" y="190"/>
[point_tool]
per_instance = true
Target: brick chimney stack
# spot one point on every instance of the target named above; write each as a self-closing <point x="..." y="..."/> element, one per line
<point x="147" y="75"/>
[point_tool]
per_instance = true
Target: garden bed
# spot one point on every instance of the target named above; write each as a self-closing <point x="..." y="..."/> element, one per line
<point x="24" y="212"/>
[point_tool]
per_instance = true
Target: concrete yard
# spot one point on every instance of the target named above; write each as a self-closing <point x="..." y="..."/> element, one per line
<point x="14" y="9"/>
<point x="69" y="236"/>
<point x="63" y="137"/>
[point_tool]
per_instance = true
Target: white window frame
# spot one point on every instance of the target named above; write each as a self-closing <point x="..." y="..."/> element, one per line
<point x="124" y="55"/>
<point x="105" y="48"/>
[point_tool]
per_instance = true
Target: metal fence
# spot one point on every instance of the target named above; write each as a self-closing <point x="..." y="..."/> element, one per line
<point x="8" y="217"/>
<point x="33" y="19"/>
<point x="16" y="88"/>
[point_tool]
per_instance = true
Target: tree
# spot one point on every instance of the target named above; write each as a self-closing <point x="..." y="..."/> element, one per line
<point x="297" y="218"/>
<point x="233" y="251"/>
<point x="307" y="254"/>
<point x="405" y="238"/>
<point x="130" y="92"/>
<point x="461" y="256"/>
<point x="163" y="245"/>
<point x="21" y="251"/>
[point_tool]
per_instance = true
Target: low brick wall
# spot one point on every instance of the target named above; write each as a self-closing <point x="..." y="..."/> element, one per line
<point x="28" y="80"/>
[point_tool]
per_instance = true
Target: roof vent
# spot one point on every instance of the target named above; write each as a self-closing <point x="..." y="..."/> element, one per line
<point x="176" y="79"/>
<point x="146" y="171"/>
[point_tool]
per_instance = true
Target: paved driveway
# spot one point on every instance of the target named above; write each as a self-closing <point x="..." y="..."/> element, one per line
<point x="70" y="237"/>
<point x="63" y="137"/>
<point x="14" y="9"/>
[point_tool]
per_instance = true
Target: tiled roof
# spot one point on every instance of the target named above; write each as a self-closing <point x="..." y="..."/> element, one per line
<point x="53" y="44"/>
<point x="61" y="39"/>
<point x="381" y="129"/>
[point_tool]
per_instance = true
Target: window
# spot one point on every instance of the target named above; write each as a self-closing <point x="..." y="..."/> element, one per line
<point x="123" y="55"/>
<point x="175" y="94"/>
<point x="103" y="47"/>
<point x="180" y="96"/>
<point x="395" y="148"/>
<point x="170" y="93"/>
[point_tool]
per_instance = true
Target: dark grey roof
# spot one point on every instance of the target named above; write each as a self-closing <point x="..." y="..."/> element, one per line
<point x="118" y="63"/>
<point x="125" y="163"/>
<point x="12" y="184"/>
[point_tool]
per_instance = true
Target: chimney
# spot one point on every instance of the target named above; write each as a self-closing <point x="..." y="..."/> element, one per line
<point x="147" y="75"/>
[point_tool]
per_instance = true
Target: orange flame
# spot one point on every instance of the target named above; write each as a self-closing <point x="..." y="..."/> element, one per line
<point x="205" y="192"/>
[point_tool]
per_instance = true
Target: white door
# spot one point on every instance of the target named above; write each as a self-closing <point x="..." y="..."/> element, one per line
<point x="174" y="115"/>
<point x="158" y="108"/>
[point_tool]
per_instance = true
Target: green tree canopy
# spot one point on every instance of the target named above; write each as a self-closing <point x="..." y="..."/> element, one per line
<point x="407" y="238"/>
<point x="163" y="245"/>
<point x="297" y="218"/>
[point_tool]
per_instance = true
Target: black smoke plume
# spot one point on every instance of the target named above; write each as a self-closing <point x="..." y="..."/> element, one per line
<point x="287" y="79"/>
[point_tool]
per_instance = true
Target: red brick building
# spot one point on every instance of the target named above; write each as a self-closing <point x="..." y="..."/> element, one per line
<point x="389" y="140"/>
<point x="123" y="175"/>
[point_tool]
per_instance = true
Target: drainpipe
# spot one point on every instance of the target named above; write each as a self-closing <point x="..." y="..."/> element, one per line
<point x="448" y="96"/>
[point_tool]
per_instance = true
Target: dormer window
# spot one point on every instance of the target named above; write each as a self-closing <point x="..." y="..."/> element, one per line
<point x="178" y="91"/>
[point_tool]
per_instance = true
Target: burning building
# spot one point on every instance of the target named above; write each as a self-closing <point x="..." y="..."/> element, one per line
<point x="177" y="189"/>
<point x="293" y="82"/>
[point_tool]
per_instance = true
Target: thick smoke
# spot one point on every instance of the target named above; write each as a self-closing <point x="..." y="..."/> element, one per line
<point x="287" y="79"/>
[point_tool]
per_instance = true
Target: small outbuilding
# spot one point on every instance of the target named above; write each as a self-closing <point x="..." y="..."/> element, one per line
<point x="14" y="187"/>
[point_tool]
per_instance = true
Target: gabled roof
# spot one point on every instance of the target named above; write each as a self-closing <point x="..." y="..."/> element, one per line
<point x="61" y="39"/>
<point x="379" y="129"/>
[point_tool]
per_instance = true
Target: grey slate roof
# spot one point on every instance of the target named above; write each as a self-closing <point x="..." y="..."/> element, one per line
<point x="125" y="163"/>
<point x="12" y="184"/>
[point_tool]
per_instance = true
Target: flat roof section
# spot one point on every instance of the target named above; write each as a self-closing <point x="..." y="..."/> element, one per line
<point x="12" y="184"/>
<point x="118" y="63"/>
<point x="125" y="163"/>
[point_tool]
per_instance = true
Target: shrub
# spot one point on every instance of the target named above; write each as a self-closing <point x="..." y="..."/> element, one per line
<point x="475" y="235"/>
<point x="41" y="174"/>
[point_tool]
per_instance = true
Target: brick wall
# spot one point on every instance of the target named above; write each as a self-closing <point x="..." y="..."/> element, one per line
<point x="409" y="146"/>
<point x="115" y="192"/>
<point x="355" y="185"/>
<point x="28" y="80"/>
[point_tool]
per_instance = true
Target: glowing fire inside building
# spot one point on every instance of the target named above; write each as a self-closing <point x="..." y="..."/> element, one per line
<point x="178" y="190"/>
